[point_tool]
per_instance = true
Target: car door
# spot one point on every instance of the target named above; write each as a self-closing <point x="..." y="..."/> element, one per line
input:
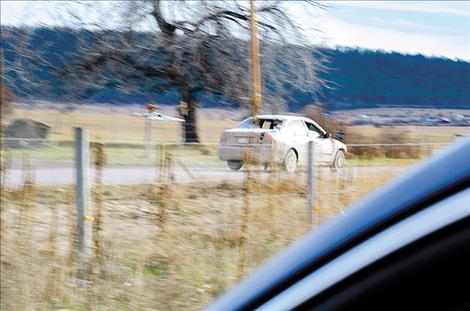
<point x="295" y="136"/>
<point x="323" y="144"/>
<point x="301" y="140"/>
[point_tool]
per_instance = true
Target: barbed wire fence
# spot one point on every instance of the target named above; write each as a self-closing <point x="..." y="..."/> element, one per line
<point x="199" y="208"/>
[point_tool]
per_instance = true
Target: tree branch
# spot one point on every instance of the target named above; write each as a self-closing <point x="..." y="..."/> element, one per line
<point x="167" y="29"/>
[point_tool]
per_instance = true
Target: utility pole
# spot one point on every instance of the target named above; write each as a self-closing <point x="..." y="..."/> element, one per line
<point x="3" y="103"/>
<point x="255" y="65"/>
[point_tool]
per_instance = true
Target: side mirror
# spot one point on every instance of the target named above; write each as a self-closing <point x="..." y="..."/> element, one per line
<point x="327" y="135"/>
<point x="339" y="135"/>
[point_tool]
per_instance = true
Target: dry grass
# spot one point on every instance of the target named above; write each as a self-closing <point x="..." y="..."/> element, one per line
<point x="181" y="261"/>
<point x="125" y="127"/>
<point x="118" y="127"/>
<point x="165" y="246"/>
<point x="123" y="136"/>
<point x="425" y="134"/>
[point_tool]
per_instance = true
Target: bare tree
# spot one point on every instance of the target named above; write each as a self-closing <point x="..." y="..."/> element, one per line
<point x="6" y="95"/>
<point x="197" y="48"/>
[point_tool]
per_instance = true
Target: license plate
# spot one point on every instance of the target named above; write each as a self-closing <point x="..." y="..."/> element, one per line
<point x="243" y="140"/>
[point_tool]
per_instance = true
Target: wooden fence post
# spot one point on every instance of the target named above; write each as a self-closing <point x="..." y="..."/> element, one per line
<point x="82" y="193"/>
<point x="310" y="184"/>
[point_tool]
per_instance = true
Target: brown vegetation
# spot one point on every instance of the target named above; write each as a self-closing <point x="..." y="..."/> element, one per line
<point x="383" y="138"/>
<point x="6" y="95"/>
<point x="181" y="260"/>
<point x="7" y="98"/>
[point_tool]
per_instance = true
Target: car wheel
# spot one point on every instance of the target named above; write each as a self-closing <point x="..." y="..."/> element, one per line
<point x="290" y="161"/>
<point x="338" y="163"/>
<point x="235" y="165"/>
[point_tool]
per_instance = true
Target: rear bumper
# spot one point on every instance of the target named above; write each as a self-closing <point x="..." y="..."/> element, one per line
<point x="243" y="152"/>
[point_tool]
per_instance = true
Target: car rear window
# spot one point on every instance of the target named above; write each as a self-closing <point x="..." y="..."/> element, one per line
<point x="263" y="123"/>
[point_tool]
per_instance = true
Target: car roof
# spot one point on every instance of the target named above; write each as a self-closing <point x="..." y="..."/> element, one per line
<point x="438" y="177"/>
<point x="281" y="117"/>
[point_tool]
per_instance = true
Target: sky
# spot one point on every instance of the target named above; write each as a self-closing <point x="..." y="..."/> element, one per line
<point x="432" y="28"/>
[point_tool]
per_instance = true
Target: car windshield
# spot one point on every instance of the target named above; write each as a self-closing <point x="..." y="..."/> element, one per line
<point x="263" y="123"/>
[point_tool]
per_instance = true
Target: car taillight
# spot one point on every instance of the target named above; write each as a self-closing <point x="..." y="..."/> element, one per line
<point x="268" y="138"/>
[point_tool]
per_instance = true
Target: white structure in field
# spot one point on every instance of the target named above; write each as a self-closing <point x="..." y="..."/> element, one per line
<point x="152" y="115"/>
<point x="156" y="116"/>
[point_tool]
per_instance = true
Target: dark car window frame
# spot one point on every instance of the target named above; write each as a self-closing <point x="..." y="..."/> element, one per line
<point x="248" y="123"/>
<point x="426" y="275"/>
<point x="385" y="243"/>
<point x="311" y="127"/>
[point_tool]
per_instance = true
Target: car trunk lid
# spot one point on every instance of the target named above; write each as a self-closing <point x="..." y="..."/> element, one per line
<point x="246" y="136"/>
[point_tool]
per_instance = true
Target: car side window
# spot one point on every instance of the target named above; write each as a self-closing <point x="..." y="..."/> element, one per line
<point x="270" y="124"/>
<point x="312" y="128"/>
<point x="288" y="129"/>
<point x="296" y="127"/>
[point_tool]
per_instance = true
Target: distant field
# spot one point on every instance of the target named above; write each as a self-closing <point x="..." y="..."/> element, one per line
<point x="424" y="134"/>
<point x="402" y="111"/>
<point x="119" y="126"/>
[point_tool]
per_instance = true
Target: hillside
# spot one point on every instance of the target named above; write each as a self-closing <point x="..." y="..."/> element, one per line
<point x="362" y="78"/>
<point x="355" y="79"/>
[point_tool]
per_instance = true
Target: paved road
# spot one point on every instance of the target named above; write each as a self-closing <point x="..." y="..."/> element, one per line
<point x="128" y="175"/>
<point x="125" y="175"/>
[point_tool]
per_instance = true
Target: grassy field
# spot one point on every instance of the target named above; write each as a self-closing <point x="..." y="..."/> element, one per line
<point x="160" y="247"/>
<point x="163" y="246"/>
<point x="122" y="154"/>
<point x="190" y="156"/>
<point x="412" y="134"/>
<point x="123" y="136"/>
<point x="119" y="127"/>
<point x="128" y="128"/>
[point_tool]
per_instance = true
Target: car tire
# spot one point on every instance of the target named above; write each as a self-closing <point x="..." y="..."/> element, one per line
<point x="234" y="164"/>
<point x="338" y="162"/>
<point x="290" y="161"/>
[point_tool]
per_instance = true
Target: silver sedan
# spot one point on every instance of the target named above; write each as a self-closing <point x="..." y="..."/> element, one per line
<point x="279" y="139"/>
